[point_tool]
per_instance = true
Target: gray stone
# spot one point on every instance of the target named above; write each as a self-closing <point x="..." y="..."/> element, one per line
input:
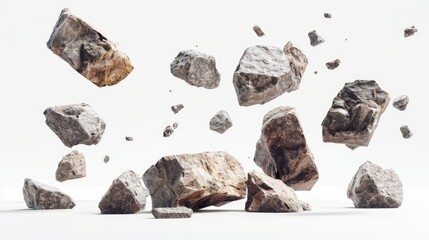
<point x="175" y="125"/>
<point x="327" y="15"/>
<point x="72" y="166"/>
<point x="106" y="159"/>
<point x="88" y="51"/>
<point x="258" y="31"/>
<point x="406" y="132"/>
<point x="401" y="102"/>
<point x="129" y="138"/>
<point x="334" y="64"/>
<point x="305" y="206"/>
<point x="39" y="196"/>
<point x="177" y="108"/>
<point x="409" y="31"/>
<point x="75" y="124"/>
<point x="315" y="39"/>
<point x="373" y="187"/>
<point x="126" y="195"/>
<point x="168" y="131"/>
<point x="220" y="122"/>
<point x="174" y="212"/>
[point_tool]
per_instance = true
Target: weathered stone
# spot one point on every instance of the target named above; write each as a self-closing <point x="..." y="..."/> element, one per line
<point x="168" y="131"/>
<point x="282" y="151"/>
<point x="354" y="114"/>
<point x="406" y="132"/>
<point x="195" y="180"/>
<point x="401" y="102"/>
<point x="75" y="124"/>
<point x="220" y="122"/>
<point x="175" y="125"/>
<point x="129" y="138"/>
<point x="72" y="166"/>
<point x="409" y="31"/>
<point x="315" y="39"/>
<point x="266" y="72"/>
<point x="327" y="15"/>
<point x="177" y="108"/>
<point x="373" y="187"/>
<point x="126" y="195"/>
<point x="196" y="68"/>
<point x="258" y="31"/>
<point x="174" y="212"/>
<point x="106" y="159"/>
<point x="87" y="51"/>
<point x="266" y="194"/>
<point x="305" y="206"/>
<point x="334" y="64"/>
<point x="40" y="196"/>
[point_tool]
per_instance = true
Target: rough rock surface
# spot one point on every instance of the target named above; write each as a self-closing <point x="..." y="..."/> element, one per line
<point x="168" y="131"/>
<point x="266" y="72"/>
<point x="75" y="124"/>
<point x="126" y="195"/>
<point x="177" y="108"/>
<point x="174" y="212"/>
<point x="106" y="159"/>
<point x="258" y="31"/>
<point x="327" y="15"/>
<point x="409" y="31"/>
<point x="40" y="196"/>
<point x="266" y="194"/>
<point x="72" y="166"/>
<point x="196" y="68"/>
<point x="315" y="39"/>
<point x="401" y="102"/>
<point x="282" y="151"/>
<point x="334" y="64"/>
<point x="406" y="132"/>
<point x="220" y="122"/>
<point x="129" y="138"/>
<point x="373" y="187"/>
<point x="88" y="51"/>
<point x="195" y="180"/>
<point x="354" y="114"/>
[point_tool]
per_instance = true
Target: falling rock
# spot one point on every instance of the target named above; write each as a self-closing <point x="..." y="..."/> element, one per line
<point x="266" y="194"/>
<point x="196" y="68"/>
<point x="220" y="122"/>
<point x="177" y="108"/>
<point x="282" y="151"/>
<point x="174" y="212"/>
<point x="175" y="125"/>
<point x="373" y="187"/>
<point x="72" y="166"/>
<point x="354" y="114"/>
<point x="106" y="159"/>
<point x="258" y="31"/>
<point x="401" y="102"/>
<point x="75" y="124"/>
<point x="406" y="132"/>
<point x="129" y="139"/>
<point x="409" y="31"/>
<point x="266" y="72"/>
<point x="305" y="206"/>
<point x="195" y="180"/>
<point x="39" y="196"/>
<point x="327" y="15"/>
<point x="88" y="51"/>
<point x="168" y="131"/>
<point x="315" y="39"/>
<point x="126" y="195"/>
<point x="334" y="64"/>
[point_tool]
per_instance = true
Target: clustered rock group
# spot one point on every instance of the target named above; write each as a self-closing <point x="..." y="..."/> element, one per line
<point x="181" y="184"/>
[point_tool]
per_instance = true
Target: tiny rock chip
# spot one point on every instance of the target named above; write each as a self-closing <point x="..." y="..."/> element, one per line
<point x="327" y="15"/>
<point x="406" y="132"/>
<point x="168" y="131"/>
<point x="305" y="206"/>
<point x="401" y="102"/>
<point x="220" y="122"/>
<point x="88" y="51"/>
<point x="315" y="39"/>
<point x="374" y="187"/>
<point x="72" y="166"/>
<point x="258" y="31"/>
<point x="177" y="108"/>
<point x="106" y="159"/>
<point x="174" y="212"/>
<point x="39" y="196"/>
<point x="129" y="139"/>
<point x="409" y="31"/>
<point x="175" y="125"/>
<point x="334" y="64"/>
<point x="315" y="72"/>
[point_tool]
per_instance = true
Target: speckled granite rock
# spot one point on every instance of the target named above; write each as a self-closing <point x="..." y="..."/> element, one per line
<point x="333" y="64"/>
<point x="258" y="31"/>
<point x="401" y="102"/>
<point x="174" y="212"/>
<point x="406" y="132"/>
<point x="39" y="196"/>
<point x="409" y="31"/>
<point x="220" y="122"/>
<point x="72" y="166"/>
<point x="315" y="39"/>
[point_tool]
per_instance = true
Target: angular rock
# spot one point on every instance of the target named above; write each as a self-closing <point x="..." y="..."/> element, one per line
<point x="174" y="212"/>
<point x="72" y="166"/>
<point x="401" y="102"/>
<point x="175" y="125"/>
<point x="373" y="187"/>
<point x="354" y="114"/>
<point x="88" y="51"/>
<point x="75" y="124"/>
<point x="168" y="131"/>
<point x="195" y="180"/>
<point x="406" y="132"/>
<point x="266" y="72"/>
<point x="409" y="31"/>
<point x="334" y="64"/>
<point x="39" y="196"/>
<point x="305" y="206"/>
<point x="266" y="194"/>
<point x="327" y="15"/>
<point x="315" y="39"/>
<point x="220" y="122"/>
<point x="126" y="195"/>
<point x="106" y="159"/>
<point x="258" y="31"/>
<point x="177" y="108"/>
<point x="282" y="151"/>
<point x="196" y="68"/>
<point x="129" y="139"/>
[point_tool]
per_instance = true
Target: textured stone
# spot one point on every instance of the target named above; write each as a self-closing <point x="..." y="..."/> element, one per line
<point x="327" y="15"/>
<point x="196" y="68"/>
<point x="220" y="122"/>
<point x="373" y="187"/>
<point x="266" y="72"/>
<point x="177" y="108"/>
<point x="168" y="131"/>
<point x="75" y="124"/>
<point x="72" y="166"/>
<point x="355" y="113"/>
<point x="282" y="151"/>
<point x="126" y="195"/>
<point x="406" y="132"/>
<point x="174" y="212"/>
<point x="88" y="51"/>
<point x="129" y="138"/>
<point x="409" y="31"/>
<point x="40" y="196"/>
<point x="334" y="64"/>
<point x="305" y="206"/>
<point x="258" y="31"/>
<point x="315" y="39"/>
<point x="106" y="159"/>
<point x="401" y="102"/>
<point x="195" y="180"/>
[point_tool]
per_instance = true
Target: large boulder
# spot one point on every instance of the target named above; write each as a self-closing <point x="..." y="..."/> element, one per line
<point x="72" y="166"/>
<point x="39" y="196"/>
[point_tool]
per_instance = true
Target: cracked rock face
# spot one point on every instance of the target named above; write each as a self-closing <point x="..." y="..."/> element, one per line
<point x="177" y="108"/>
<point x="406" y="132"/>
<point x="282" y="151"/>
<point x="220" y="122"/>
<point x="409" y="31"/>
<point x="196" y="68"/>
<point x="374" y="187"/>
<point x="174" y="212"/>
<point x="126" y="195"/>
<point x="75" y="124"/>
<point x="332" y="65"/>
<point x="315" y="39"/>
<point x="258" y="31"/>
<point x="39" y="196"/>
<point x="88" y="51"/>
<point x="195" y="180"/>
<point x="266" y="72"/>
<point x="354" y="114"/>
<point x="72" y="166"/>
<point x="401" y="102"/>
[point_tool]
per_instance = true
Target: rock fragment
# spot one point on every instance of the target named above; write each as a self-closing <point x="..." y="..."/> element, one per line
<point x="401" y="102"/>
<point x="72" y="166"/>
<point x="175" y="125"/>
<point x="333" y="64"/>
<point x="174" y="212"/>
<point x="177" y="108"/>
<point x="127" y="138"/>
<point x="315" y="39"/>
<point x="406" y="132"/>
<point x="220" y="122"/>
<point x="258" y="31"/>
<point x="106" y="159"/>
<point x="39" y="196"/>
<point x="374" y="187"/>
<point x="327" y="15"/>
<point x="168" y="131"/>
<point x="315" y="72"/>
<point x="75" y="124"/>
<point x="305" y="206"/>
<point x="409" y="31"/>
<point x="88" y="51"/>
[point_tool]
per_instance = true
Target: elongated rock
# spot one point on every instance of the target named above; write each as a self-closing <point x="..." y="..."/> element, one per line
<point x="282" y="151"/>
<point x="126" y="195"/>
<point x="327" y="15"/>
<point x="195" y="180"/>
<point x="258" y="31"/>
<point x="39" y="196"/>
<point x="401" y="102"/>
<point x="406" y="132"/>
<point x="315" y="38"/>
<point x="175" y="212"/>
<point x="220" y="122"/>
<point x="354" y="114"/>
<point x="373" y="187"/>
<point x="333" y="64"/>
<point x="72" y="166"/>
<point x="88" y="51"/>
<point x="409" y="31"/>
<point x="177" y="108"/>
<point x="106" y="159"/>
<point x="75" y="124"/>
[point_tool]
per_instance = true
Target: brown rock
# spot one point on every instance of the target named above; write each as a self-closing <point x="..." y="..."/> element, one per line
<point x="175" y="212"/>
<point x="334" y="64"/>
<point x="258" y="31"/>
<point x="39" y="196"/>
<point x="72" y="166"/>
